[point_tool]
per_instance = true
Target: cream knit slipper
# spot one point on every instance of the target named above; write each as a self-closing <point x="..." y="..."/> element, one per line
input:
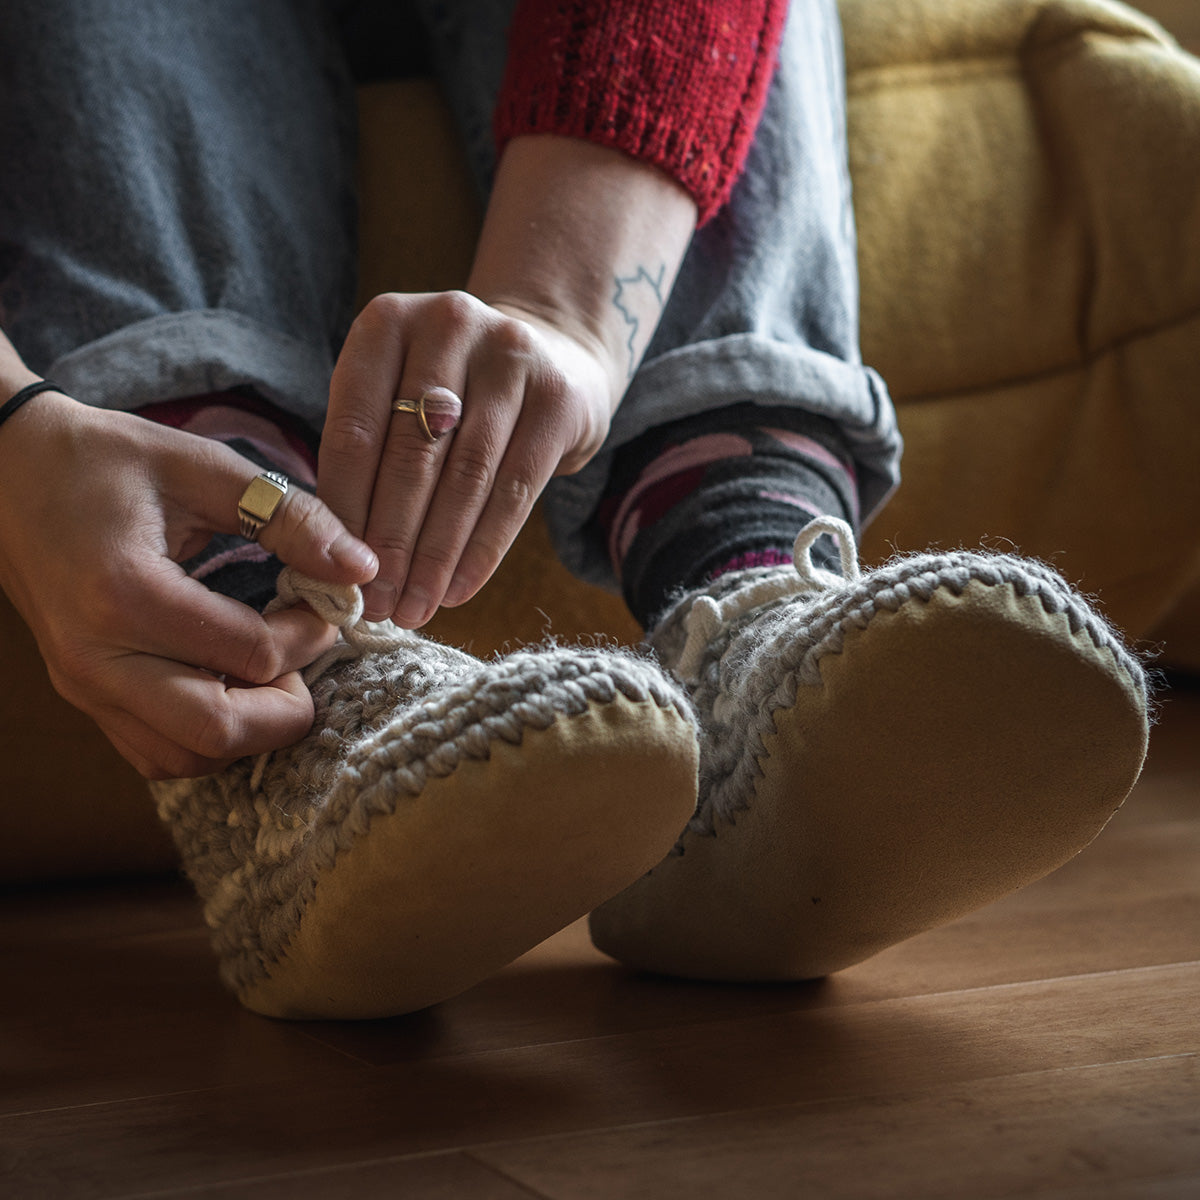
<point x="443" y="816"/>
<point x="880" y="754"/>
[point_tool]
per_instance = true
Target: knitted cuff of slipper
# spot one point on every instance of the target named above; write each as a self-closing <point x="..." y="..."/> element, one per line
<point x="757" y="654"/>
<point x="254" y="837"/>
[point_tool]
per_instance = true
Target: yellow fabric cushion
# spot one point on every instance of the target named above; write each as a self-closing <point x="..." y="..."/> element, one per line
<point x="1028" y="197"/>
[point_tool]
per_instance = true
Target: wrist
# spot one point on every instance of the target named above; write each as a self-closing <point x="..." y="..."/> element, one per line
<point x="14" y="374"/>
<point x="17" y="382"/>
<point x="588" y="241"/>
<point x="10" y="407"/>
<point x="559" y="322"/>
<point x="33" y="427"/>
<point x="12" y="381"/>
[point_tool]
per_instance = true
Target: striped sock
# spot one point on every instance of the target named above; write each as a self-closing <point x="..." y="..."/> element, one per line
<point x="721" y="492"/>
<point x="270" y="438"/>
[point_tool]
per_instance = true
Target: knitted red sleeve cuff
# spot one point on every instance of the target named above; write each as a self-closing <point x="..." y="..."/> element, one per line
<point x="679" y="85"/>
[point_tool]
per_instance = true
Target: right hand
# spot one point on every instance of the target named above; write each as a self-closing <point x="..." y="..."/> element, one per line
<point x="97" y="510"/>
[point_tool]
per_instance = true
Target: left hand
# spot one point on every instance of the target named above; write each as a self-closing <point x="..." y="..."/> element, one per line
<point x="536" y="401"/>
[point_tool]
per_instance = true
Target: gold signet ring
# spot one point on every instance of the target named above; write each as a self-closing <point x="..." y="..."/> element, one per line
<point x="259" y="502"/>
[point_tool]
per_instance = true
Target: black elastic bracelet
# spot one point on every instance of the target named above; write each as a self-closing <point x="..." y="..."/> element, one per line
<point x="26" y="393"/>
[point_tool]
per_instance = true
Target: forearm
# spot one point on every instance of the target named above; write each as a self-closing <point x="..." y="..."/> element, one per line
<point x="587" y="240"/>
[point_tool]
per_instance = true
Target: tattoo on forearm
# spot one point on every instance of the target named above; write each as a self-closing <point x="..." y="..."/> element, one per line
<point x="632" y="300"/>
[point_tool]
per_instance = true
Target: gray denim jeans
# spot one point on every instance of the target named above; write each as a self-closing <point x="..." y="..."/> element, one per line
<point x="177" y="216"/>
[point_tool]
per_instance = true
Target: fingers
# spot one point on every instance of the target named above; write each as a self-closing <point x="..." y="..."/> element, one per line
<point x="412" y="469"/>
<point x="150" y="606"/>
<point x="152" y="755"/>
<point x="531" y="405"/>
<point x="428" y="496"/>
<point x="304" y="533"/>
<point x="202" y="627"/>
<point x="441" y="514"/>
<point x="302" y="530"/>
<point x="522" y="477"/>
<point x="365" y="382"/>
<point x="226" y="637"/>
<point x="183" y="723"/>
<point x="489" y="479"/>
<point x="171" y="719"/>
<point x="408" y="476"/>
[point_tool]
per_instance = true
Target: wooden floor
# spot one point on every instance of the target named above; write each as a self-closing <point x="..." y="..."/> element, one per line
<point x="1045" y="1047"/>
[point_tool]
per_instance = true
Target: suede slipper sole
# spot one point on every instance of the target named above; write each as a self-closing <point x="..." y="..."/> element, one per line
<point x="954" y="750"/>
<point x="488" y="860"/>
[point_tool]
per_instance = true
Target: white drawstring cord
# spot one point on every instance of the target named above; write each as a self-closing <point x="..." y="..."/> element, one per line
<point x="340" y="605"/>
<point x="707" y="616"/>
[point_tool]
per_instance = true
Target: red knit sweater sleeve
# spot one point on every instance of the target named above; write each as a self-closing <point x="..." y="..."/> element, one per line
<point x="677" y="84"/>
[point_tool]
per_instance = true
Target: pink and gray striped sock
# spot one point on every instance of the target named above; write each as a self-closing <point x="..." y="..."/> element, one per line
<point x="721" y="492"/>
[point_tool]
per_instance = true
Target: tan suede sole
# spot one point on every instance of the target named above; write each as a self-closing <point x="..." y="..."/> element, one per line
<point x="954" y="751"/>
<point x="486" y="862"/>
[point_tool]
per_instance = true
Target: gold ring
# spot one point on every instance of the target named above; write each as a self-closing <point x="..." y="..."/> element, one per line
<point x="439" y="411"/>
<point x="259" y="502"/>
<point x="418" y="407"/>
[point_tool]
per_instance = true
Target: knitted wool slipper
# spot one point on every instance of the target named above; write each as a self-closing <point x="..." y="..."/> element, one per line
<point x="443" y="816"/>
<point x="880" y="754"/>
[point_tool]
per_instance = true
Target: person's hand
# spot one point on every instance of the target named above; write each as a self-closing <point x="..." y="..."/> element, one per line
<point x="579" y="249"/>
<point x="440" y="515"/>
<point x="97" y="509"/>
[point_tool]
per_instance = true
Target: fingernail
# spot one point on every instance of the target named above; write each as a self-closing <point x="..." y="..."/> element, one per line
<point x="456" y="593"/>
<point x="414" y="608"/>
<point x="354" y="555"/>
<point x="379" y="600"/>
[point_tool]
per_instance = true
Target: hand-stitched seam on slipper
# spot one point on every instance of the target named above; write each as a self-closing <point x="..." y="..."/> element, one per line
<point x="255" y="905"/>
<point x="791" y="653"/>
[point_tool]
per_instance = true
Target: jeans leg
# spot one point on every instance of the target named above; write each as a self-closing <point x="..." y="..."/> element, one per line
<point x="177" y="208"/>
<point x="468" y="49"/>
